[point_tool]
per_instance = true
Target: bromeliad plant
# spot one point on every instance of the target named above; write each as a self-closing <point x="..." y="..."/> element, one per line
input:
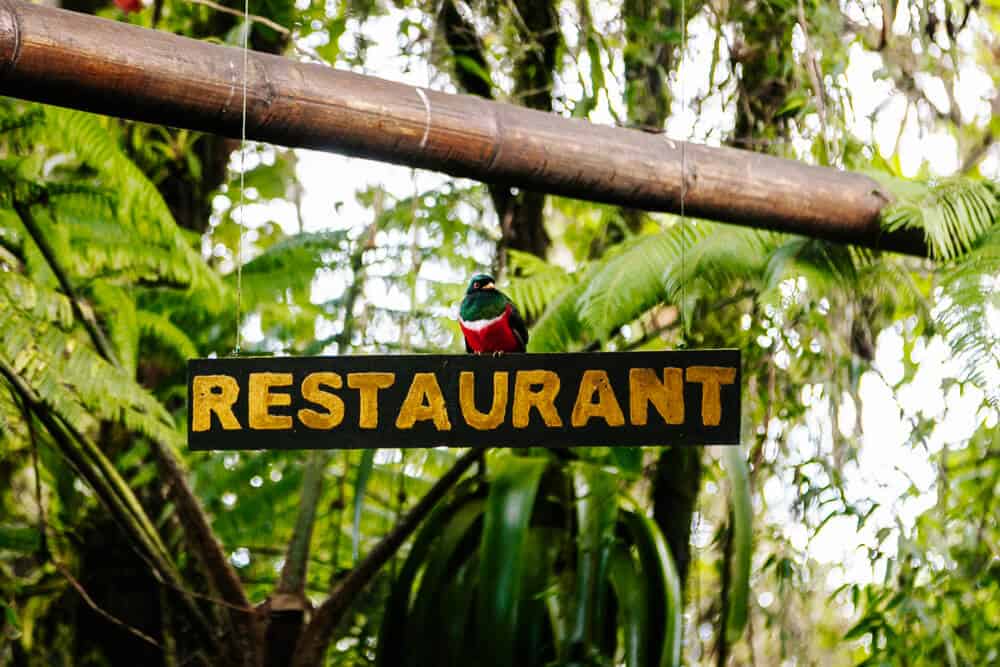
<point x="542" y="561"/>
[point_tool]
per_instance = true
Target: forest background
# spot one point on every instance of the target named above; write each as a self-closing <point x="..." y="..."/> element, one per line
<point x="857" y="523"/>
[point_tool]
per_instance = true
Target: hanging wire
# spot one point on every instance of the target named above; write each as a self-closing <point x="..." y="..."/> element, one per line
<point x="243" y="154"/>
<point x="680" y="77"/>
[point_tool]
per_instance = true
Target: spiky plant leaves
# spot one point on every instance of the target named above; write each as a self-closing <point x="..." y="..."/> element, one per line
<point x="394" y="644"/>
<point x="450" y="551"/>
<point x="632" y="593"/>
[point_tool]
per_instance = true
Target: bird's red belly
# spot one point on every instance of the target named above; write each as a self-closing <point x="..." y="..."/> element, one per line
<point x="495" y="337"/>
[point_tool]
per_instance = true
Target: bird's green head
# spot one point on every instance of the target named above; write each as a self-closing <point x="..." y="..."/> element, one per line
<point x="481" y="282"/>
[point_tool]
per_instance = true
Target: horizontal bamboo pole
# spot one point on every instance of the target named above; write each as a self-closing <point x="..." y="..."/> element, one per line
<point x="79" y="61"/>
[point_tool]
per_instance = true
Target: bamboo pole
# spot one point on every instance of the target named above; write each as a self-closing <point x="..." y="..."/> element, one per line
<point x="79" y="61"/>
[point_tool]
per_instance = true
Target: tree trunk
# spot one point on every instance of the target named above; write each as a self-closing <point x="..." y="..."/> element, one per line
<point x="521" y="215"/>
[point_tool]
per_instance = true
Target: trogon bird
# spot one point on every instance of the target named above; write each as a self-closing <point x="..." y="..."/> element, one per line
<point x="489" y="319"/>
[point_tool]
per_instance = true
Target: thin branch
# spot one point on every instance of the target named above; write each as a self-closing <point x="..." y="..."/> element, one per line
<point x="253" y="18"/>
<point x="293" y="573"/>
<point x="109" y="488"/>
<point x="104" y="614"/>
<point x="97" y="336"/>
<point x="815" y="74"/>
<point x="317" y="635"/>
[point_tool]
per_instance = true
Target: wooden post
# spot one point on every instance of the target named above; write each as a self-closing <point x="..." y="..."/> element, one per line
<point x="79" y="61"/>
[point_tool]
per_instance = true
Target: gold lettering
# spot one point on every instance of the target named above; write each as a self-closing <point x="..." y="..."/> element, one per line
<point x="368" y="385"/>
<point x="312" y="391"/>
<point x="542" y="399"/>
<point x="261" y="399"/>
<point x="607" y="404"/>
<point x="467" y="401"/>
<point x="423" y="401"/>
<point x="205" y="400"/>
<point x="710" y="378"/>
<point x="645" y="388"/>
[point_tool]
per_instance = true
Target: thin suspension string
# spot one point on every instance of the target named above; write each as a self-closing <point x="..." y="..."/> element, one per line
<point x="243" y="154"/>
<point x="683" y="169"/>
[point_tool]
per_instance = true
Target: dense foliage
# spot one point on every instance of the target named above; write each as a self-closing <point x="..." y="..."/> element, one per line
<point x="857" y="524"/>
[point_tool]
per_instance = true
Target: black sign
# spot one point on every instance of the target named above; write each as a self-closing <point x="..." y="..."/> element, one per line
<point x="513" y="400"/>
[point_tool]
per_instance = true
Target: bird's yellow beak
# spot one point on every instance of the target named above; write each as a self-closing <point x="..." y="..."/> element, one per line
<point x="489" y="286"/>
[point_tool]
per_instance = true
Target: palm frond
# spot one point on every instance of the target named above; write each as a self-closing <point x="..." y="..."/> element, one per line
<point x="826" y="266"/>
<point x="629" y="281"/>
<point x="718" y="255"/>
<point x="953" y="214"/>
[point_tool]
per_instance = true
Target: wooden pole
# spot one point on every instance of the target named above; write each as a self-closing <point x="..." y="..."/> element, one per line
<point x="79" y="61"/>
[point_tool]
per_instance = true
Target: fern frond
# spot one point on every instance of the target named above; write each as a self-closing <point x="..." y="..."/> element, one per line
<point x="290" y="264"/>
<point x="140" y="207"/>
<point x="116" y="308"/>
<point x="970" y="317"/>
<point x="156" y="327"/>
<point x="953" y="214"/>
<point x="535" y="282"/>
<point x="36" y="301"/>
<point x="79" y="384"/>
<point x="560" y="327"/>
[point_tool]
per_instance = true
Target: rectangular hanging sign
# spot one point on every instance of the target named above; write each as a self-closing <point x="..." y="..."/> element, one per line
<point x="514" y="400"/>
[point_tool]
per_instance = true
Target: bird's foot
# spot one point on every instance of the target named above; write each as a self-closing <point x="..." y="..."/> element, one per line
<point x="498" y="353"/>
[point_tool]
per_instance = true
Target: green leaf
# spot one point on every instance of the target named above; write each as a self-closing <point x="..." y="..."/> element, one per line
<point x="739" y="591"/>
<point x="13" y="631"/>
<point x="596" y="512"/>
<point x="559" y="329"/>
<point x="472" y="67"/>
<point x="535" y="284"/>
<point x="513" y="487"/>
<point x="632" y="591"/>
<point x="23" y="539"/>
<point x="663" y="639"/>
<point x="331" y="50"/>
<point x="628" y="460"/>
<point x="953" y="214"/>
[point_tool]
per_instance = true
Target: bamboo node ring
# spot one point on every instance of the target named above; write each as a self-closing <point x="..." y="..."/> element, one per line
<point x="427" y="121"/>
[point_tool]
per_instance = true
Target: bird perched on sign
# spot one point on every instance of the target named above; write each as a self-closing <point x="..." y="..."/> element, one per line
<point x="489" y="319"/>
